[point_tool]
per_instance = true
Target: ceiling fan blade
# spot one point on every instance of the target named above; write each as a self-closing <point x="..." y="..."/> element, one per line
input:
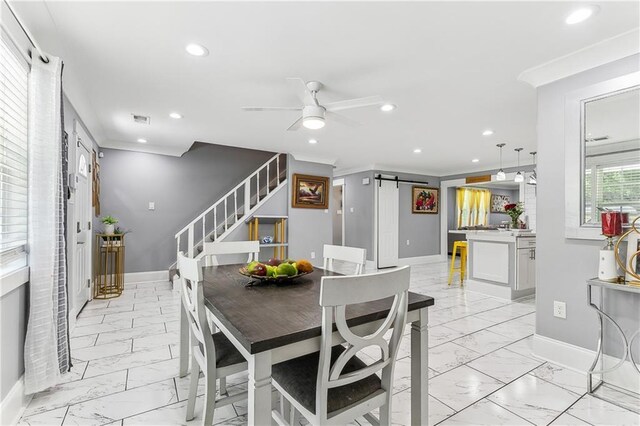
<point x="342" y="119"/>
<point x="271" y="108"/>
<point x="301" y="89"/>
<point x="353" y="103"/>
<point x="296" y="124"/>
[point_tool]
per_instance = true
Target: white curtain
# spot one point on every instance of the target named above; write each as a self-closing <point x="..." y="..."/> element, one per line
<point x="46" y="351"/>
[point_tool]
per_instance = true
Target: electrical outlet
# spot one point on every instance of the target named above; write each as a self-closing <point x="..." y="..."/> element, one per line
<point x="559" y="309"/>
<point x="407" y="242"/>
<point x="313" y="254"/>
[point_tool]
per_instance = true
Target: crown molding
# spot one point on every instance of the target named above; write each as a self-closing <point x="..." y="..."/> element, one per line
<point x="603" y="52"/>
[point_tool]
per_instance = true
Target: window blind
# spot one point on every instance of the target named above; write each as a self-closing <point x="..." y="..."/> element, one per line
<point x="13" y="150"/>
<point x="613" y="185"/>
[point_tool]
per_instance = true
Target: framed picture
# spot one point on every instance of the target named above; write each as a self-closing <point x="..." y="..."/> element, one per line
<point x="633" y="258"/>
<point x="310" y="192"/>
<point x="425" y="200"/>
<point x="498" y="202"/>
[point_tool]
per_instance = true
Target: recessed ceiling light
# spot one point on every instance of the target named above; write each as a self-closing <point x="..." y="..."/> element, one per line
<point x="579" y="15"/>
<point x="475" y="160"/>
<point x="196" y="50"/>
<point x="175" y="115"/>
<point x="313" y="141"/>
<point x="387" y="107"/>
<point x="141" y="140"/>
<point x="487" y="132"/>
<point x="417" y="151"/>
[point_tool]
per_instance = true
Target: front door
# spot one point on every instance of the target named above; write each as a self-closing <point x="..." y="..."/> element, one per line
<point x="81" y="277"/>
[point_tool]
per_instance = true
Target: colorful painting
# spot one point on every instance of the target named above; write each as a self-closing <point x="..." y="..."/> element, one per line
<point x="498" y="202"/>
<point x="310" y="192"/>
<point x="425" y="200"/>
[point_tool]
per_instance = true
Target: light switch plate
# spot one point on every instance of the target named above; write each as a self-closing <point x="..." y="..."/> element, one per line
<point x="365" y="181"/>
<point x="152" y="205"/>
<point x="351" y="209"/>
<point x="313" y="254"/>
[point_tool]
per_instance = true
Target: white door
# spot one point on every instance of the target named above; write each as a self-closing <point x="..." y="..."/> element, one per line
<point x="387" y="223"/>
<point x="81" y="275"/>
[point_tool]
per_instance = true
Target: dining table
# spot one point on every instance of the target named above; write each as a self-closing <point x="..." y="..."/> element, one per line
<point x="270" y="323"/>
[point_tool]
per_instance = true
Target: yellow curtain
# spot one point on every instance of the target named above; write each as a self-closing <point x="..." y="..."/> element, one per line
<point x="460" y="195"/>
<point x="472" y="206"/>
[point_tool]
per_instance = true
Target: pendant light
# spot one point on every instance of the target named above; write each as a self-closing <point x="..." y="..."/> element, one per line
<point x="519" y="176"/>
<point x="501" y="175"/>
<point x="533" y="179"/>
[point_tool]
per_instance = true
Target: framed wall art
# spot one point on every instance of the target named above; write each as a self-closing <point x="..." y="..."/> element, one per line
<point x="310" y="192"/>
<point x="498" y="202"/>
<point x="425" y="200"/>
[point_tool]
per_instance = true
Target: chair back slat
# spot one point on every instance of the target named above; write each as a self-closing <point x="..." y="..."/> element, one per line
<point x="193" y="300"/>
<point x="210" y="251"/>
<point x="338" y="292"/>
<point x="358" y="256"/>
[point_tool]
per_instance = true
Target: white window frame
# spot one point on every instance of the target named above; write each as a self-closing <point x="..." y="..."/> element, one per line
<point x="14" y="269"/>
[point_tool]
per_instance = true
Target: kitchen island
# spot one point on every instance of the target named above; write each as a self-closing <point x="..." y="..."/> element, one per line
<point x="501" y="263"/>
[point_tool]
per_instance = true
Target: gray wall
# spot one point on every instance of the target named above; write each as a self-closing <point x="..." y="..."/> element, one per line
<point x="422" y="230"/>
<point x="309" y="229"/>
<point x="13" y="328"/>
<point x="181" y="187"/>
<point x="564" y="264"/>
<point x="359" y="223"/>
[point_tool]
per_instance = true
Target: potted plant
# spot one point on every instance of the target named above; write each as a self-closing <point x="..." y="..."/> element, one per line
<point x="514" y="211"/>
<point x="109" y="224"/>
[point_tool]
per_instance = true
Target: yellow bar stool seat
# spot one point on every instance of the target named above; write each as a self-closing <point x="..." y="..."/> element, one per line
<point x="458" y="247"/>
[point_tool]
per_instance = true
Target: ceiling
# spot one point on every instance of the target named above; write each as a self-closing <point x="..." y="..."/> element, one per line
<point x="451" y="67"/>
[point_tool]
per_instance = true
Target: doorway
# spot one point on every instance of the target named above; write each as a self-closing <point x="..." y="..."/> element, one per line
<point x="80" y="249"/>
<point x="337" y="212"/>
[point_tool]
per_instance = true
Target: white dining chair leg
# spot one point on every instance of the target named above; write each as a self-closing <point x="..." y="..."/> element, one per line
<point x="193" y="389"/>
<point x="209" y="398"/>
<point x="223" y="385"/>
<point x="294" y="416"/>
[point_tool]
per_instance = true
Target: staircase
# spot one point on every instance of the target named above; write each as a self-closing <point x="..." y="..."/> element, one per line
<point x="233" y="208"/>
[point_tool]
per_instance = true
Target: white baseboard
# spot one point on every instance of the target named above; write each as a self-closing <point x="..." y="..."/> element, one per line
<point x="13" y="405"/>
<point x="579" y="359"/>
<point x="419" y="260"/>
<point x="140" y="277"/>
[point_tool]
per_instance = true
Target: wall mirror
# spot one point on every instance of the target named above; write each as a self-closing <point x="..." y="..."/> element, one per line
<point x="602" y="153"/>
<point x="611" y="155"/>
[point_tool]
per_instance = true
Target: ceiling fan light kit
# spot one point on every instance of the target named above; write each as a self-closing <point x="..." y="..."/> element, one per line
<point x="314" y="114"/>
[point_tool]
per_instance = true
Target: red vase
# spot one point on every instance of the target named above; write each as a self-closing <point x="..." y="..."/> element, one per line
<point x="611" y="223"/>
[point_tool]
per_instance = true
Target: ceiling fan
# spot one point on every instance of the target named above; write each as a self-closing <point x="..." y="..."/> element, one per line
<point x="314" y="114"/>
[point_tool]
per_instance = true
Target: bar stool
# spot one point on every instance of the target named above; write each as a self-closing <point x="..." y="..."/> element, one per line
<point x="462" y="246"/>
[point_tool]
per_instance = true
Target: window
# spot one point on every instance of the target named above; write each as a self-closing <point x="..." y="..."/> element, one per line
<point x="13" y="158"/>
<point x="472" y="207"/>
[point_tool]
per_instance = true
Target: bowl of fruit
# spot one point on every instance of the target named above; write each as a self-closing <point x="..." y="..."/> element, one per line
<point x="277" y="271"/>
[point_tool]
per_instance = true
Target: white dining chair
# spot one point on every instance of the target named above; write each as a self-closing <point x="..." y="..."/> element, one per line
<point x="346" y="254"/>
<point x="211" y="251"/>
<point x="211" y="353"/>
<point x="334" y="386"/>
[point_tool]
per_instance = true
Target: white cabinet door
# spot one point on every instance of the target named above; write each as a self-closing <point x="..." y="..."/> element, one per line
<point x="525" y="269"/>
<point x="388" y="223"/>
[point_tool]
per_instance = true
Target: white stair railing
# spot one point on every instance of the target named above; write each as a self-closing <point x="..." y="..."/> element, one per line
<point x="246" y="192"/>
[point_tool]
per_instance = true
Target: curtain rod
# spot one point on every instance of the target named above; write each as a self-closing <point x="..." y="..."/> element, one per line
<point x="397" y="181"/>
<point x="26" y="32"/>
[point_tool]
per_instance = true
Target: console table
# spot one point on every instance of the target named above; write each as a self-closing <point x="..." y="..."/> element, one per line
<point x="627" y="342"/>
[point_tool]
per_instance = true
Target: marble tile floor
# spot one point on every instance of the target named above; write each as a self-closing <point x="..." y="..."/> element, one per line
<point x="481" y="370"/>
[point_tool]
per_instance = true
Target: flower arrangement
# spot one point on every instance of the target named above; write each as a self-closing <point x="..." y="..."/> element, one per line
<point x="514" y="211"/>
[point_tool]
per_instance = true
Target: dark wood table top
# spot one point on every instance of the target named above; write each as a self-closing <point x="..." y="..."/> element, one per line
<point x="268" y="316"/>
